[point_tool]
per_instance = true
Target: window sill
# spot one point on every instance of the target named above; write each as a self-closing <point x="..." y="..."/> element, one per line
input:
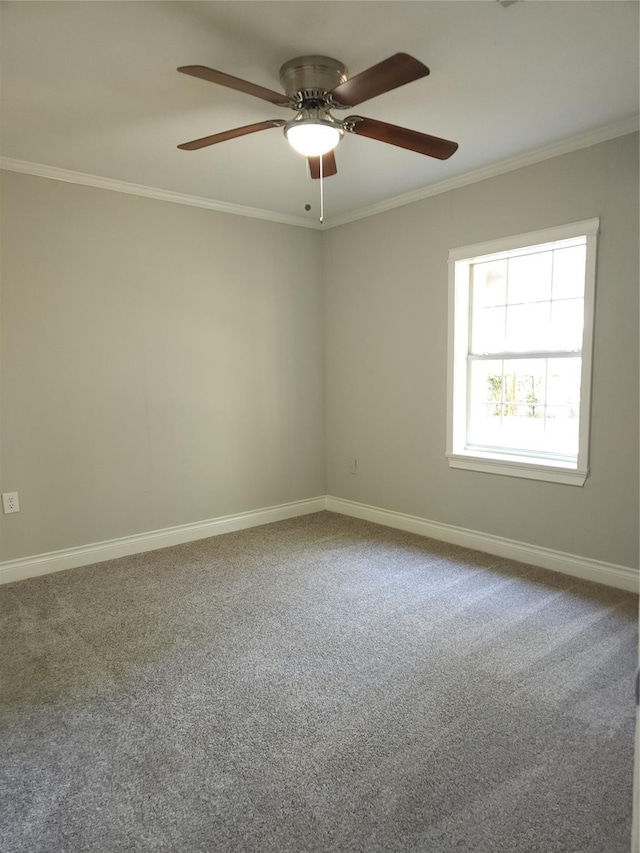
<point x="512" y="467"/>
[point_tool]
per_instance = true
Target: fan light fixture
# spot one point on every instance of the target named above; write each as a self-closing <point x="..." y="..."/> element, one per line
<point x="313" y="136"/>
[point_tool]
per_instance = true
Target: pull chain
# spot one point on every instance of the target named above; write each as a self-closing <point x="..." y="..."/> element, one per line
<point x="321" y="193"/>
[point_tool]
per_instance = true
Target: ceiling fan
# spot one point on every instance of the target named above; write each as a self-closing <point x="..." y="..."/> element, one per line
<point x="316" y="85"/>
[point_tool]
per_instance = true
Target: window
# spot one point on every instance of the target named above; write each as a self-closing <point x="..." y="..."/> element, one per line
<point x="520" y="339"/>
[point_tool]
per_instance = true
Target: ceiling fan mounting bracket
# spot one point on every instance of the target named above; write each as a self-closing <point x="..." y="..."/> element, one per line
<point x="312" y="77"/>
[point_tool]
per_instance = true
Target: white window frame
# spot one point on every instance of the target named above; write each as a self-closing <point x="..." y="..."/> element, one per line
<point x="530" y="466"/>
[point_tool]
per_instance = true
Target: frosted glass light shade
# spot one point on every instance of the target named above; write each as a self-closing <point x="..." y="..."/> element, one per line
<point x="312" y="139"/>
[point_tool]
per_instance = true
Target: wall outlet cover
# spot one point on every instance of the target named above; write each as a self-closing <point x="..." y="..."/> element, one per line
<point x="10" y="502"/>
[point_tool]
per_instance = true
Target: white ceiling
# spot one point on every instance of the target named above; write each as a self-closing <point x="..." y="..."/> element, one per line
<point x="92" y="87"/>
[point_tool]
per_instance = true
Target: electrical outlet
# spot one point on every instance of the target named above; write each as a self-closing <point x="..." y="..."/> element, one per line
<point x="353" y="465"/>
<point x="10" y="502"/>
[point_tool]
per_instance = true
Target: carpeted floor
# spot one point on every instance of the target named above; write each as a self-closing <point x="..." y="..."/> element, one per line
<point x="319" y="684"/>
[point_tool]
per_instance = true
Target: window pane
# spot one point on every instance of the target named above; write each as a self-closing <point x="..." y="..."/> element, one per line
<point x="568" y="272"/>
<point x="563" y="382"/>
<point x="521" y="430"/>
<point x="488" y="330"/>
<point x="485" y="423"/>
<point x="529" y="278"/>
<point x="562" y="425"/>
<point x="567" y="320"/>
<point x="486" y="382"/>
<point x="485" y="397"/>
<point x="525" y="404"/>
<point x="524" y="386"/>
<point x="489" y="284"/>
<point x="528" y="327"/>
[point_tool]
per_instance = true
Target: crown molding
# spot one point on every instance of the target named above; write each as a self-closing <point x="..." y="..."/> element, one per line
<point x="563" y="146"/>
<point x="43" y="171"/>
<point x="501" y="167"/>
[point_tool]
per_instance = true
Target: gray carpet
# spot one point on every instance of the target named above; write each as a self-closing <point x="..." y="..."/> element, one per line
<point x="319" y="684"/>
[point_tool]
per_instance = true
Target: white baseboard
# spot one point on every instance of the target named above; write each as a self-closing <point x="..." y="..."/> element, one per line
<point x="98" y="552"/>
<point x="610" y="574"/>
<point x="621" y="577"/>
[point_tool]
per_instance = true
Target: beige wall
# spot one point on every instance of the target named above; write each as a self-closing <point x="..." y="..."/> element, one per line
<point x="161" y="364"/>
<point x="386" y="348"/>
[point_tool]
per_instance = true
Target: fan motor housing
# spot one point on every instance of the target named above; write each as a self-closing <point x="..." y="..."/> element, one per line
<point x="313" y="74"/>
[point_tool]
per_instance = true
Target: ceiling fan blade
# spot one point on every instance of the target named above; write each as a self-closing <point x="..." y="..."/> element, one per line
<point x="413" y="140"/>
<point x="230" y="134"/>
<point x="328" y="165"/>
<point x="230" y="82"/>
<point x="386" y="75"/>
